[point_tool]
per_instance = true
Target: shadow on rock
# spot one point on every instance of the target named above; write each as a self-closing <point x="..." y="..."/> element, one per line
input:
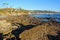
<point x="21" y="29"/>
<point x="13" y="38"/>
<point x="1" y="36"/>
<point x="57" y="37"/>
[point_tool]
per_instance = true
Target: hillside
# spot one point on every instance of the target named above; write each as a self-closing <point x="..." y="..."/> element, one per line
<point x="12" y="11"/>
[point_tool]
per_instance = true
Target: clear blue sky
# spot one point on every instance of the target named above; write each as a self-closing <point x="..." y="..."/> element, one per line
<point x="53" y="5"/>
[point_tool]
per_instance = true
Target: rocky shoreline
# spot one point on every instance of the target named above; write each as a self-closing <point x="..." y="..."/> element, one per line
<point x="25" y="27"/>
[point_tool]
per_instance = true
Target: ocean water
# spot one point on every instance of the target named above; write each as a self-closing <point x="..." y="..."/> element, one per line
<point x="45" y="16"/>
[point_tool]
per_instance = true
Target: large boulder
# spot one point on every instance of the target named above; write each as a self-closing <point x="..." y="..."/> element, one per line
<point x="41" y="32"/>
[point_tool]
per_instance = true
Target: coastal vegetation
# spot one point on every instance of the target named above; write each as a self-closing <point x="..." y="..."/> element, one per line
<point x="12" y="11"/>
<point x="19" y="11"/>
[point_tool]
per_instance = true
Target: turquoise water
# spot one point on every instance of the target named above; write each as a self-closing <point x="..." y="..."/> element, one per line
<point x="45" y="16"/>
